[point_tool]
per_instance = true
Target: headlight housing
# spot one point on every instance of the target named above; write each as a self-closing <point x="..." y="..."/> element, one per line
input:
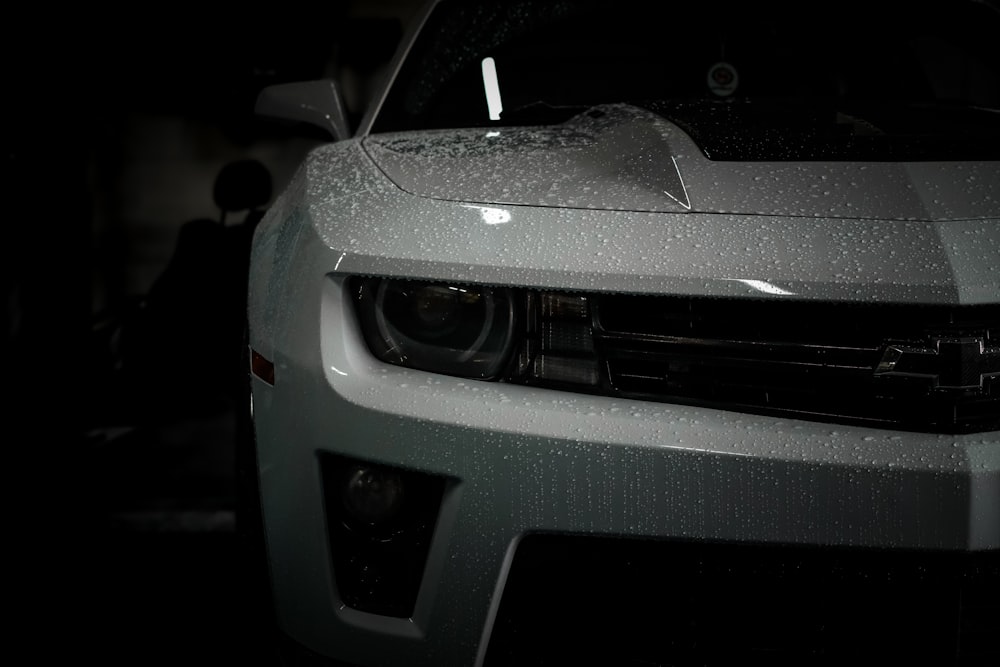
<point x="464" y="330"/>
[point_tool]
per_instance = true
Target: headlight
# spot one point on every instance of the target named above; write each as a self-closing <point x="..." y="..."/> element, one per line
<point x="464" y="330"/>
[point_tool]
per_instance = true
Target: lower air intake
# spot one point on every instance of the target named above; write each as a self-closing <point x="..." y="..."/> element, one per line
<point x="589" y="600"/>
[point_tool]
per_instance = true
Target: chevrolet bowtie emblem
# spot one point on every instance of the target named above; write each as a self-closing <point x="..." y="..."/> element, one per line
<point x="949" y="364"/>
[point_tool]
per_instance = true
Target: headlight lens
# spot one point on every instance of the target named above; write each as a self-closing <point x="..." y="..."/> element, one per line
<point x="464" y="330"/>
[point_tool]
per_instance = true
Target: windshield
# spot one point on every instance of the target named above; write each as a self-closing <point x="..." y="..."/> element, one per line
<point x="868" y="72"/>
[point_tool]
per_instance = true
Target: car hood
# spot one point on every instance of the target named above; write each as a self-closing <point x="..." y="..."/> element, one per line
<point x="382" y="206"/>
<point x="623" y="157"/>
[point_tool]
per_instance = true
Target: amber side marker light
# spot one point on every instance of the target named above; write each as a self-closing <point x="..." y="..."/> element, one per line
<point x="262" y="367"/>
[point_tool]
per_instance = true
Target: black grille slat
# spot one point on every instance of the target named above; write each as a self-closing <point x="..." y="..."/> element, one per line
<point x="821" y="323"/>
<point x="769" y="351"/>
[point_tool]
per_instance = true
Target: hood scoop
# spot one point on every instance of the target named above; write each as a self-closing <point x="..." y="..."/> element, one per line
<point x="614" y="157"/>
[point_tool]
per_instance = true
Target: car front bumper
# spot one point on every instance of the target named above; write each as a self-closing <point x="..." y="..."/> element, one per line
<point x="521" y="461"/>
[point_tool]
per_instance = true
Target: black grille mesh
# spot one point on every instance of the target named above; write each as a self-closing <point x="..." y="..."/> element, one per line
<point x="884" y="365"/>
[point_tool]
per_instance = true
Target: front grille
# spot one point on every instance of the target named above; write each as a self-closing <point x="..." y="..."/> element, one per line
<point x="906" y="366"/>
<point x="919" y="367"/>
<point x="592" y="600"/>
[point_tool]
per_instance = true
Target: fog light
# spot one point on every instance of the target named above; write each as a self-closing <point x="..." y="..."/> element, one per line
<point x="372" y="495"/>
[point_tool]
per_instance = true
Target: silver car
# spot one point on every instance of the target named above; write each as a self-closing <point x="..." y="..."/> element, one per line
<point x="640" y="334"/>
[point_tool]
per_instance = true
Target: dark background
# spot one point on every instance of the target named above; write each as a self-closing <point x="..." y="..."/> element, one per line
<point x="120" y="473"/>
<point x="119" y="418"/>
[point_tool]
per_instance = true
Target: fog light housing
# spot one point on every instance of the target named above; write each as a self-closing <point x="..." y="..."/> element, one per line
<point x="380" y="520"/>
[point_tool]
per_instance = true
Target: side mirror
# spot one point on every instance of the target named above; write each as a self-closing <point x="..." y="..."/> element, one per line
<point x="317" y="103"/>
